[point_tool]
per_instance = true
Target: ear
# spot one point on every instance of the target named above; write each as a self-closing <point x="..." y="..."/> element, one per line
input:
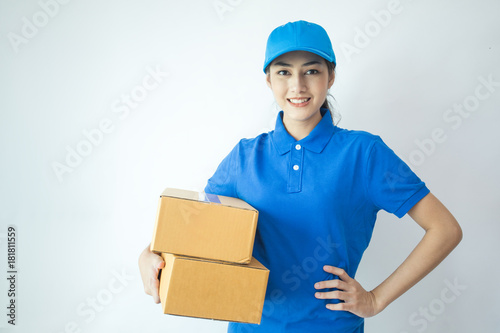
<point x="268" y="80"/>
<point x="331" y="79"/>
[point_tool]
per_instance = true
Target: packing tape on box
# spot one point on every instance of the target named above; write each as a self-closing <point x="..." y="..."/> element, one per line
<point x="202" y="196"/>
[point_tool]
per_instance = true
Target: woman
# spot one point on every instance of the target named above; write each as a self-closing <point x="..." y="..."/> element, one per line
<point x="318" y="189"/>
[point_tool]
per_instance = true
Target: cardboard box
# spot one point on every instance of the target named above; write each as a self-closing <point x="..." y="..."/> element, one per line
<point x="204" y="225"/>
<point x="202" y="288"/>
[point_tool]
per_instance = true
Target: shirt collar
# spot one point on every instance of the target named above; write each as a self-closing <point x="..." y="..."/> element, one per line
<point x="315" y="141"/>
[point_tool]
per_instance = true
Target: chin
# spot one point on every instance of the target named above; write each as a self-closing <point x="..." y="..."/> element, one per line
<point x="299" y="115"/>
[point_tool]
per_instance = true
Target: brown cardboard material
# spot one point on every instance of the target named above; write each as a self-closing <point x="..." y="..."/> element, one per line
<point x="218" y="227"/>
<point x="201" y="288"/>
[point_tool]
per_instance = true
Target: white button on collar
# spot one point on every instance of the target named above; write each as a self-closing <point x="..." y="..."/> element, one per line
<point x="295" y="167"/>
<point x="297" y="146"/>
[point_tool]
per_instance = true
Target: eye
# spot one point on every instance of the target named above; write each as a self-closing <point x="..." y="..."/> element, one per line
<point x="312" y="71"/>
<point x="282" y="72"/>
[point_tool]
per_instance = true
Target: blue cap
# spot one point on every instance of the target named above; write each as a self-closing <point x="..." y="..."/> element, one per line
<point x="299" y="36"/>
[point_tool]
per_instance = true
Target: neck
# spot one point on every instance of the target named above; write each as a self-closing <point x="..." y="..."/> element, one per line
<point x="299" y="129"/>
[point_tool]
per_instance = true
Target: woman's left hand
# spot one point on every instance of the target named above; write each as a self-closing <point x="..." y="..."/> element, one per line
<point x="356" y="299"/>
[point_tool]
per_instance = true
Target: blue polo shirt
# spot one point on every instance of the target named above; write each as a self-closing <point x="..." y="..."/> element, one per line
<point x="318" y="200"/>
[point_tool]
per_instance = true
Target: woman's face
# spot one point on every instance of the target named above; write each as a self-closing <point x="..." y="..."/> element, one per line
<point x="300" y="82"/>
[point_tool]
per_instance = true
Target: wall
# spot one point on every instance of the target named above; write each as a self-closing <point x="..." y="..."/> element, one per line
<point x="103" y="104"/>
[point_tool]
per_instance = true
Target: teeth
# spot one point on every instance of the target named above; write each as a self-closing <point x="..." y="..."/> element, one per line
<point x="296" y="101"/>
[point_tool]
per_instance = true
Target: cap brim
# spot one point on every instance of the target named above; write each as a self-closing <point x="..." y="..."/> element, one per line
<point x="290" y="49"/>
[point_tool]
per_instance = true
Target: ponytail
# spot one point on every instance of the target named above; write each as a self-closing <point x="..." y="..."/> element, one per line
<point x="326" y="103"/>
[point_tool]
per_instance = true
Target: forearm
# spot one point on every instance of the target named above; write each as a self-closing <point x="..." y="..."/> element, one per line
<point x="436" y="244"/>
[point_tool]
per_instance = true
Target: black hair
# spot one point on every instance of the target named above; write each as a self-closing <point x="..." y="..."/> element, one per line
<point x="326" y="104"/>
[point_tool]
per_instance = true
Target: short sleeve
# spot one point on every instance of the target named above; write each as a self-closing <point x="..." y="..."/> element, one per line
<point x="390" y="183"/>
<point x="223" y="181"/>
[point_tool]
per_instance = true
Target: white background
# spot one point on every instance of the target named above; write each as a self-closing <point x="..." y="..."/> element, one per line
<point x="76" y="232"/>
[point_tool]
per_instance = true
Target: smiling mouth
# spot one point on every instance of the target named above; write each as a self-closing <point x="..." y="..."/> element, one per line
<point x="299" y="101"/>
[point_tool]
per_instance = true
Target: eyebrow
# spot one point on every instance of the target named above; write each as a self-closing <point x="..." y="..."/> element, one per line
<point x="284" y="64"/>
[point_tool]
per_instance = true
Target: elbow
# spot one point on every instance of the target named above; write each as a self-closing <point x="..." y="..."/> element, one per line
<point x="450" y="233"/>
<point x="454" y="233"/>
<point x="459" y="234"/>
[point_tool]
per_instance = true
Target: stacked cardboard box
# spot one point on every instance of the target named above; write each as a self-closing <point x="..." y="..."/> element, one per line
<point x="206" y="242"/>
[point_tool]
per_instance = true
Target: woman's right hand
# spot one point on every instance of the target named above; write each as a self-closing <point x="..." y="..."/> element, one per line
<point x="150" y="264"/>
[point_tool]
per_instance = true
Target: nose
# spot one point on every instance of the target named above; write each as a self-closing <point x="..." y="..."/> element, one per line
<point x="297" y="83"/>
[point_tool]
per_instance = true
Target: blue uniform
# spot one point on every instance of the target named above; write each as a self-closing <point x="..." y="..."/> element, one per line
<point x="318" y="200"/>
